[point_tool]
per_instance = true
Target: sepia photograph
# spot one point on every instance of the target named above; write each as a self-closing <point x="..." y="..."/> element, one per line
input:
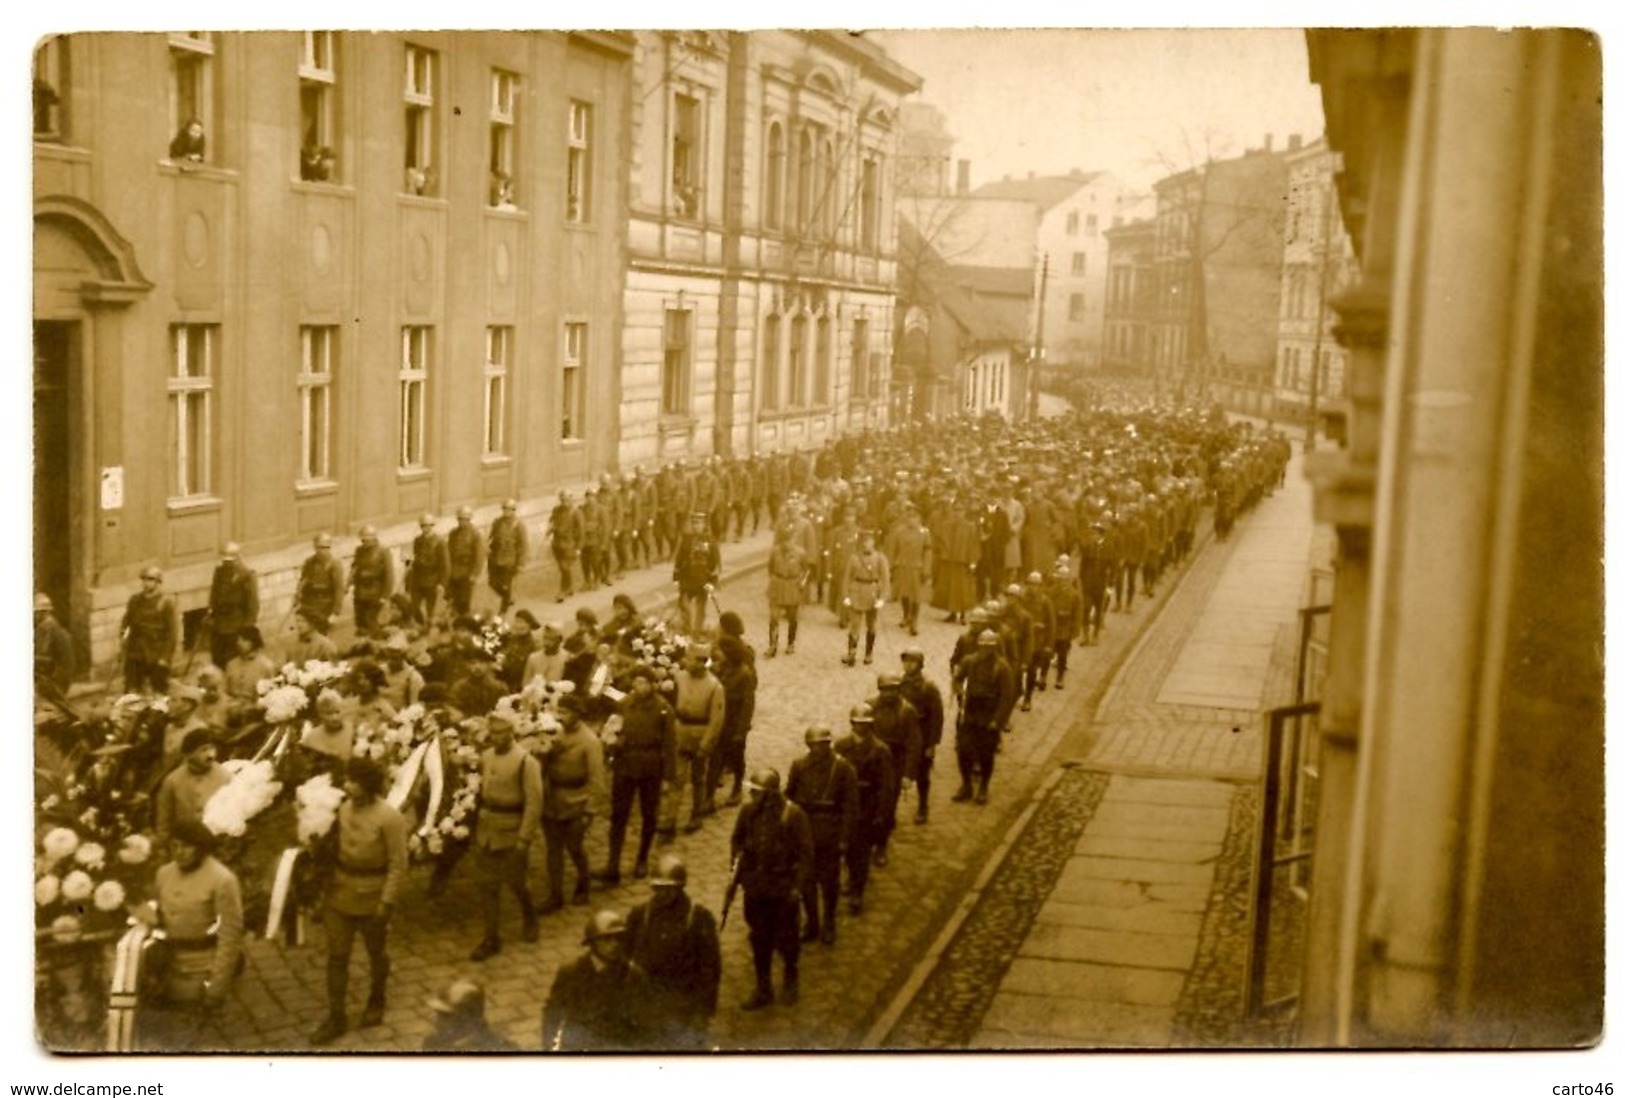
<point x="669" y="546"/>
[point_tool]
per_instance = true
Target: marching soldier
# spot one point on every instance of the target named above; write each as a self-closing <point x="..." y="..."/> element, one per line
<point x="372" y="580"/>
<point x="427" y="574"/>
<point x="1041" y="636"/>
<point x="867" y="586"/>
<point x="564" y="533"/>
<point x="924" y="695"/>
<point x="696" y="569"/>
<point x="234" y="603"/>
<point x="1067" y="603"/>
<point x="773" y="850"/>
<point x="675" y="941"/>
<point x="599" y="1001"/>
<point x="1094" y="579"/>
<point x="321" y="583"/>
<point x="644" y="758"/>
<point x="594" y="541"/>
<point x="149" y="632"/>
<point x="507" y="550"/>
<point x="872" y="763"/>
<point x="825" y="786"/>
<point x="786" y="586"/>
<point x="907" y="544"/>
<point x="897" y="725"/>
<point x="371" y="838"/>
<point x="986" y="687"/>
<point x="510" y="815"/>
<point x="465" y="552"/>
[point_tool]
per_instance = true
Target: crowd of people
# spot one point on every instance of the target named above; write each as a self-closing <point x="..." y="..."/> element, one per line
<point x="1027" y="536"/>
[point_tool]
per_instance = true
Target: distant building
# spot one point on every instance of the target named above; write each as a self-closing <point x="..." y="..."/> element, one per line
<point x="1130" y="297"/>
<point x="1217" y="265"/>
<point x="966" y="338"/>
<point x="924" y="150"/>
<point x="758" y="313"/>
<point x="1317" y="264"/>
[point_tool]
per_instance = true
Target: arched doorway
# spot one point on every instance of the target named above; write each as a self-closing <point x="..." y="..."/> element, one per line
<point x="85" y="274"/>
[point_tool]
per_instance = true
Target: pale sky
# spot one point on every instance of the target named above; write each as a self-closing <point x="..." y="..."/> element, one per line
<point x="1139" y="103"/>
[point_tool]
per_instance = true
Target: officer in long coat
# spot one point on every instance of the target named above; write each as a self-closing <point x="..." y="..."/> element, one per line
<point x="907" y="544"/>
<point x="564" y="535"/>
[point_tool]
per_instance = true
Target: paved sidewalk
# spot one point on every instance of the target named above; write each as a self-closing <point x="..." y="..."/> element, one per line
<point x="1144" y="809"/>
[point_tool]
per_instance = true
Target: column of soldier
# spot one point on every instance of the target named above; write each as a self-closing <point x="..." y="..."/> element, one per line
<point x="1025" y="535"/>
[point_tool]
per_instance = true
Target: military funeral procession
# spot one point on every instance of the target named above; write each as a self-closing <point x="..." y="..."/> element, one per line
<point x="592" y="541"/>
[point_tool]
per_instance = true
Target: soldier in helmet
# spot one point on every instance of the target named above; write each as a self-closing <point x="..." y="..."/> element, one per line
<point x="459" y="1021"/>
<point x="987" y="687"/>
<point x="372" y="579"/>
<point x="675" y="940"/>
<point x="1067" y="603"/>
<point x="926" y="698"/>
<point x="826" y="787"/>
<point x="465" y="553"/>
<point x="872" y="762"/>
<point x="427" y="574"/>
<point x="507" y="549"/>
<point x="897" y="725"/>
<point x="321" y="583"/>
<point x="564" y="534"/>
<point x="773" y="850"/>
<point x="234" y="603"/>
<point x="599" y="1001"/>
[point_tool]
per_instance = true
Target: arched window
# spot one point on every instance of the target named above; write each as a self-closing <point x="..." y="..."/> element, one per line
<point x="805" y="179"/>
<point x="773" y="184"/>
<point x="830" y="195"/>
<point x="769" y="367"/>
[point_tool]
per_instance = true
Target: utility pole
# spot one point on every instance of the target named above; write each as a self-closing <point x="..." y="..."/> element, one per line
<point x="1036" y="359"/>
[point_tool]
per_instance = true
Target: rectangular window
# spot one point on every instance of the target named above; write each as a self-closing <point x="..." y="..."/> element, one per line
<point x="821" y="358"/>
<point x="1072" y="223"/>
<point x="1074" y="307"/>
<point x="770" y="362"/>
<point x="191" y="408"/>
<point x="860" y="358"/>
<point x="498" y="356"/>
<point x="674" y="373"/>
<point x="773" y="184"/>
<point x="51" y="90"/>
<point x="504" y="99"/>
<point x="578" y="167"/>
<point x="317" y="346"/>
<point x="414" y="388"/>
<point x="796" y="390"/>
<point x="686" y="173"/>
<point x="1091" y="225"/>
<point x="869" y="204"/>
<point x="1080" y="262"/>
<point x="318" y="93"/>
<point x="573" y="382"/>
<point x="191" y="98"/>
<point x="422" y="175"/>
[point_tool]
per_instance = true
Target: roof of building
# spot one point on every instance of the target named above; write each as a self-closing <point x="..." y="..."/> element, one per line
<point x="1045" y="191"/>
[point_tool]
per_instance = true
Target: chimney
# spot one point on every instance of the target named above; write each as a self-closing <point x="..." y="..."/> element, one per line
<point x="1031" y="175"/>
<point x="1294" y="142"/>
<point x="1269" y="141"/>
<point x="962" y="184"/>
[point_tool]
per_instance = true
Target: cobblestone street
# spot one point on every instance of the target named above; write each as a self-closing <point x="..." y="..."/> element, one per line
<point x="846" y="987"/>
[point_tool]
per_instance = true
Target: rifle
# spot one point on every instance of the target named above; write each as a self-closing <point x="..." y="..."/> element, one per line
<point x="728" y="896"/>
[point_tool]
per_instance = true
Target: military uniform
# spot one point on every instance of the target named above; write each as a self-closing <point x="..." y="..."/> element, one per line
<point x="372" y="579"/>
<point x="507" y="548"/>
<point x="366" y="883"/>
<point x="676" y="942"/>
<point x="772" y="842"/>
<point x="866" y="584"/>
<point x="987" y="687"/>
<point x="234" y="605"/>
<point x="871" y="760"/>
<point x="151" y="629"/>
<point x="564" y="533"/>
<point x="465" y="557"/>
<point x="321" y="585"/>
<point x="825" y="787"/>
<point x="427" y="575"/>
<point x="510" y="815"/>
